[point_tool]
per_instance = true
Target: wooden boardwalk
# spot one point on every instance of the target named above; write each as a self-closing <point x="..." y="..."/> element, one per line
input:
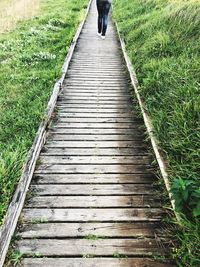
<point x="93" y="201"/>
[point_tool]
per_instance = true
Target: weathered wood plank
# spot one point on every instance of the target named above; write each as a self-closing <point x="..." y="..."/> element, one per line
<point x="91" y="89"/>
<point x="95" y="65"/>
<point x="83" y="93"/>
<point x="115" y="61"/>
<point x="96" y="81"/>
<point x="94" y="104"/>
<point x="104" y="98"/>
<point x="114" y="84"/>
<point x="89" y="137"/>
<point x="103" y="66"/>
<point x="66" y="230"/>
<point x="81" y="247"/>
<point x="92" y="215"/>
<point x="96" y="76"/>
<point x="96" y="169"/>
<point x="94" y="189"/>
<point x="95" y="144"/>
<point x="105" y="125"/>
<point x="91" y="102"/>
<point x="93" y="109"/>
<point x="94" y="151"/>
<point x="98" y="131"/>
<point x="144" y="201"/>
<point x="94" y="73"/>
<point x="94" y="262"/>
<point x="97" y="85"/>
<point x="95" y="95"/>
<point x="94" y="178"/>
<point x="92" y="115"/>
<point x="94" y="160"/>
<point x="97" y="120"/>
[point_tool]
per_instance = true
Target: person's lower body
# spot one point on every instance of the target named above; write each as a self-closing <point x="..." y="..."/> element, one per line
<point x="103" y="11"/>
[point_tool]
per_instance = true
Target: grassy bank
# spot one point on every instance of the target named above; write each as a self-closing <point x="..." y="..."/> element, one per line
<point x="31" y="57"/>
<point x="12" y="11"/>
<point x="162" y="39"/>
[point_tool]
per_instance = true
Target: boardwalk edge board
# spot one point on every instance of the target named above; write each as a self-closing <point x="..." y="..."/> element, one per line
<point x="148" y="124"/>
<point x="8" y="228"/>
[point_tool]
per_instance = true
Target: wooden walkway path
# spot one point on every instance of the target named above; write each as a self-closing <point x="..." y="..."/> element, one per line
<point x="92" y="200"/>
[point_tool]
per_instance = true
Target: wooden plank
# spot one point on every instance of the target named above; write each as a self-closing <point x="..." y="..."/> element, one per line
<point x="66" y="230"/>
<point x="96" y="71"/>
<point x="99" y="85"/>
<point x="95" y="103"/>
<point x="81" y="247"/>
<point x="94" y="151"/>
<point x="93" y="201"/>
<point x="101" y="66"/>
<point x="96" y="91"/>
<point x="89" y="96"/>
<point x="88" y="79"/>
<point x="115" y="61"/>
<point x="98" y="125"/>
<point x="95" y="144"/>
<point x="64" y="113"/>
<point x="94" y="262"/>
<point x="96" y="169"/>
<point x="73" y="91"/>
<point x="94" y="160"/>
<point x="97" y="74"/>
<point x="93" y="189"/>
<point x="98" y="120"/>
<point x="103" y="98"/>
<point x="95" y="65"/>
<point x="101" y="94"/>
<point x="91" y="89"/>
<point x="93" y="110"/>
<point x="92" y="115"/>
<point x="92" y="215"/>
<point x="93" y="178"/>
<point x="115" y="84"/>
<point x="96" y="106"/>
<point x="96" y="131"/>
<point x="96" y="95"/>
<point x="80" y="58"/>
<point x="90" y="137"/>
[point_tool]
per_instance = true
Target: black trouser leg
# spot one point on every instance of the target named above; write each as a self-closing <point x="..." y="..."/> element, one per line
<point x="100" y="16"/>
<point x="103" y="11"/>
<point x="100" y="21"/>
<point x="105" y="17"/>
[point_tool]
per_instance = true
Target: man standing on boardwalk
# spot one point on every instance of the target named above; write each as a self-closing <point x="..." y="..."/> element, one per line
<point x="103" y="7"/>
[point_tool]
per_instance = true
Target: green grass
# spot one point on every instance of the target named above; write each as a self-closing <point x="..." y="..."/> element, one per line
<point x="14" y="258"/>
<point x="162" y="39"/>
<point x="31" y="58"/>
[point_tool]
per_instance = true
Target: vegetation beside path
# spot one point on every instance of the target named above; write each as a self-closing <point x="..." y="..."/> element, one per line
<point x="162" y="39"/>
<point x="31" y="57"/>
